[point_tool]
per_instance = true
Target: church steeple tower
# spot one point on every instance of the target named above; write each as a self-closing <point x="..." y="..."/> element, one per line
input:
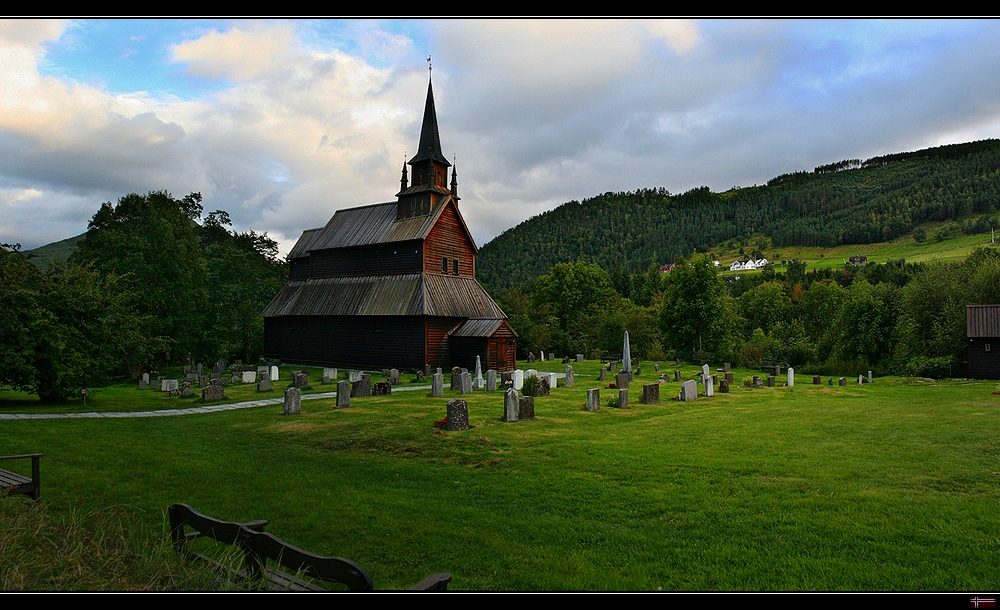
<point x="429" y="168"/>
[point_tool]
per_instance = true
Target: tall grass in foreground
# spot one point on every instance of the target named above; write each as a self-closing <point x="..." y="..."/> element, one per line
<point x="106" y="549"/>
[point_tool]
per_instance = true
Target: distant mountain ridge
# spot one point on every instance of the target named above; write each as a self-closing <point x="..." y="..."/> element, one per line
<point x="848" y="202"/>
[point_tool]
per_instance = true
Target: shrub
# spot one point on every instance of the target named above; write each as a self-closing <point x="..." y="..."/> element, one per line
<point x="530" y="384"/>
<point x="748" y="382"/>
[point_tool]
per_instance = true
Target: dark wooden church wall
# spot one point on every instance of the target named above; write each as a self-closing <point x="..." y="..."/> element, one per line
<point x="447" y="239"/>
<point x="354" y="341"/>
<point x="465" y="349"/>
<point x="437" y="329"/>
<point x="984" y="364"/>
<point x="383" y="259"/>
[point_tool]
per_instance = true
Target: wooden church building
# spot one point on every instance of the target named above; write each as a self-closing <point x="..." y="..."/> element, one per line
<point x="392" y="284"/>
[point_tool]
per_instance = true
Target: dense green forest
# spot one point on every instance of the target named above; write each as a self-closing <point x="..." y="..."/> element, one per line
<point x="850" y="202"/>
<point x="148" y="286"/>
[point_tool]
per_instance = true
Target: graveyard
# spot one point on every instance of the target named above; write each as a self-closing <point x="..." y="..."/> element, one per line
<point x="889" y="485"/>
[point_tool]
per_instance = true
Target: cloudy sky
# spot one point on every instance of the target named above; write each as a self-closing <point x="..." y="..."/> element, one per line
<point x="281" y="123"/>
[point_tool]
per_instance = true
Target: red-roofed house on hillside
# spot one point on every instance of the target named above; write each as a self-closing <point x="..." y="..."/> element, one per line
<point x="392" y="284"/>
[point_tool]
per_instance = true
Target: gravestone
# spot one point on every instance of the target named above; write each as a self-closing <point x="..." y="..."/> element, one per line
<point x="842" y="382"/>
<point x="579" y="357"/>
<point x="420" y="376"/>
<point x="213" y="391"/>
<point x="144" y="382"/>
<point x="541" y="356"/>
<point x="330" y="375"/>
<point x="621" y="381"/>
<point x="593" y="399"/>
<point x="437" y="385"/>
<point x="623" y="398"/>
<point x="236" y="378"/>
<point x="531" y="356"/>
<point x="724" y="386"/>
<point x="394" y="377"/>
<point x="869" y="376"/>
<point x="552" y="356"/>
<point x="603" y="374"/>
<point x="274" y="373"/>
<point x="491" y="380"/>
<point x="326" y="379"/>
<point x="353" y="376"/>
<point x="542" y="387"/>
<point x="381" y="388"/>
<point x="553" y="380"/>
<point x="293" y="401"/>
<point x="650" y="393"/>
<point x="710" y="386"/>
<point x="249" y="377"/>
<point x="518" y="379"/>
<point x="770" y="381"/>
<point x="427" y="370"/>
<point x="729" y="377"/>
<point x="817" y="380"/>
<point x="570" y="377"/>
<point x="791" y="377"/>
<point x="465" y="383"/>
<point x="170" y="385"/>
<point x="530" y="373"/>
<point x="507" y="379"/>
<point x="677" y="375"/>
<point x="861" y="379"/>
<point x="264" y="385"/>
<point x="689" y="390"/>
<point x="478" y="382"/>
<point x="705" y="372"/>
<point x="186" y="389"/>
<point x="725" y="367"/>
<point x="362" y="387"/>
<point x="343" y="394"/>
<point x="638" y="371"/>
<point x="186" y="370"/>
<point x="829" y="381"/>
<point x="263" y="371"/>
<point x="510" y="405"/>
<point x="145" y="377"/>
<point x="438" y="370"/>
<point x="200" y="369"/>
<point x="456" y="379"/>
<point x="457" y="414"/>
<point x="526" y="407"/>
<point x="656" y="367"/>
<point x="756" y="382"/>
<point x="300" y="380"/>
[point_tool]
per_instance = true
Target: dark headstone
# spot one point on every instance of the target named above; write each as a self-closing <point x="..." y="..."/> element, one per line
<point x="457" y="415"/>
<point x="344" y="394"/>
<point x="565" y="360"/>
<point x="186" y="389"/>
<point x="213" y="391"/>
<point x="381" y="388"/>
<point x="143" y="384"/>
<point x="437" y="384"/>
<point x="651" y="394"/>
<point x="420" y="376"/>
<point x="570" y="377"/>
<point x="456" y="379"/>
<point x="725" y="367"/>
<point x="621" y="381"/>
<point x="829" y="381"/>
<point x="531" y="356"/>
<point x="757" y="383"/>
<point x="817" y="380"/>
<point x="770" y="381"/>
<point x="264" y="385"/>
<point x="622" y="398"/>
<point x="293" y="401"/>
<point x="300" y="380"/>
<point x="362" y="387"/>
<point x="677" y="375"/>
<point x="729" y="377"/>
<point x="638" y="371"/>
<point x="603" y="374"/>
<point x="526" y="407"/>
<point x="593" y="399"/>
<point x="542" y="387"/>
<point x="724" y="386"/>
<point x="656" y="367"/>
<point x="842" y="381"/>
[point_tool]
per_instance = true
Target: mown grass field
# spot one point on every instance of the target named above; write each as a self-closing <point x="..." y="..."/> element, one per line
<point x="889" y="486"/>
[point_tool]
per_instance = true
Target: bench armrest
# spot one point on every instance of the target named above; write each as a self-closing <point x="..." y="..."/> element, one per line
<point x="434" y="582"/>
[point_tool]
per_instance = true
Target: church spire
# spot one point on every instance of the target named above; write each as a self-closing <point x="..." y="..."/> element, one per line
<point x="430" y="139"/>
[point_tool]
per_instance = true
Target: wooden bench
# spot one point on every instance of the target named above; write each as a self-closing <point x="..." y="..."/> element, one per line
<point x="15" y="483"/>
<point x="263" y="551"/>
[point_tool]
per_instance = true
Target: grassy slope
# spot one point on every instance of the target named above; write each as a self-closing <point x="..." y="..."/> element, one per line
<point x="891" y="486"/>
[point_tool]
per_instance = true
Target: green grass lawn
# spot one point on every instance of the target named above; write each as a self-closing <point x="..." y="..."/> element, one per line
<point x="889" y="486"/>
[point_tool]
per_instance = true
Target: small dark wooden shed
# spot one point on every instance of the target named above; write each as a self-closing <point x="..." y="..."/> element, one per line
<point x="983" y="350"/>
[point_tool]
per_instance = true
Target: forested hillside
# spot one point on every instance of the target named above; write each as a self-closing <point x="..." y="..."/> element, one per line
<point x="848" y="202"/>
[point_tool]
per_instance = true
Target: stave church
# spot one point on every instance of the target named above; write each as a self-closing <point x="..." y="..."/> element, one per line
<point x="392" y="284"/>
